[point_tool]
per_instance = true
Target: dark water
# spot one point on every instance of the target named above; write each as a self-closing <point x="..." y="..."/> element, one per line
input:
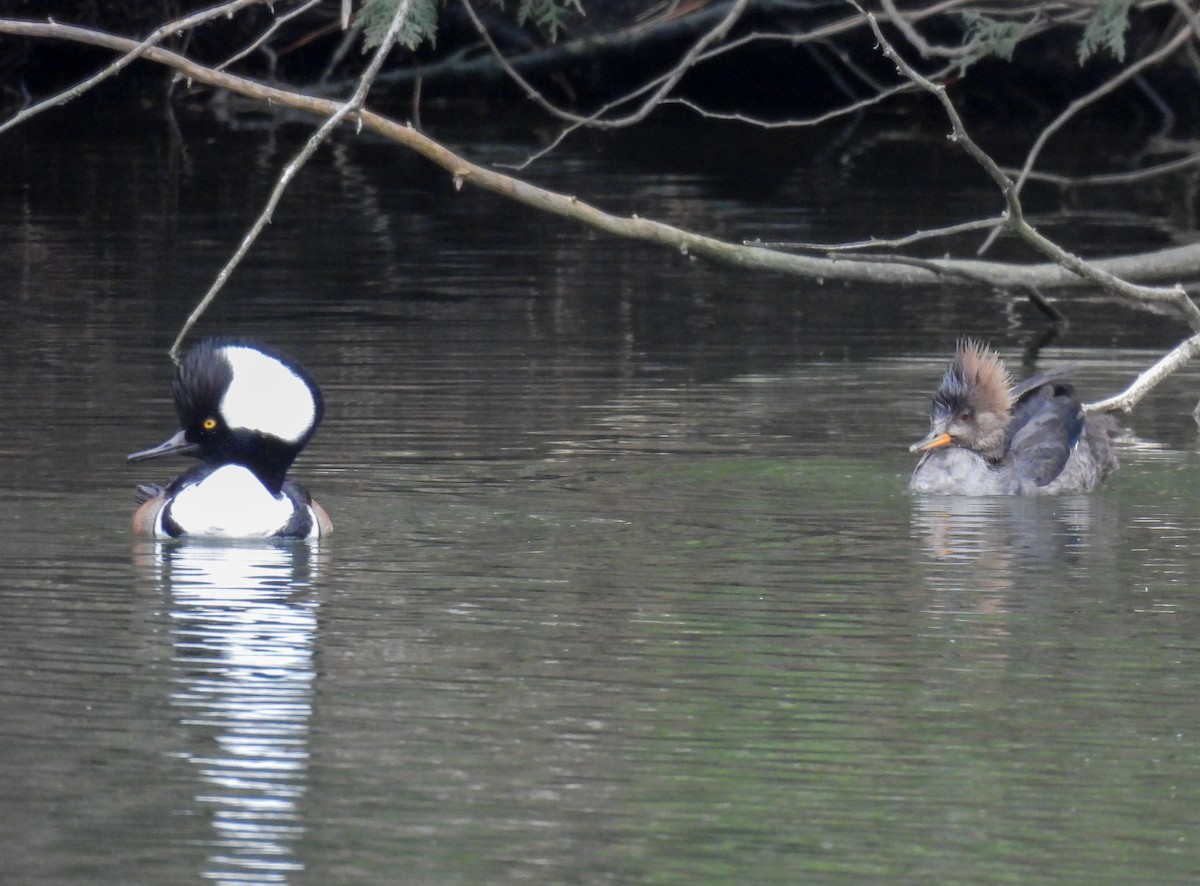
<point x="626" y="585"/>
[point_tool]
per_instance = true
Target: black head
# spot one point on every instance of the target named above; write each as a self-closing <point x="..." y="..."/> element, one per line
<point x="240" y="403"/>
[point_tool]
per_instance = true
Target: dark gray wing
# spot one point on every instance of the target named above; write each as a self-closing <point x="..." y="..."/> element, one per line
<point x="1046" y="424"/>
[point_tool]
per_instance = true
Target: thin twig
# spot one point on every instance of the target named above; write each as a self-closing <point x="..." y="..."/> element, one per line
<point x="800" y="122"/>
<point x="911" y="261"/>
<point x="1130" y="177"/>
<point x="599" y="118"/>
<point x="1035" y="297"/>
<point x="115" y="67"/>
<point x="276" y="24"/>
<point x="1063" y="217"/>
<point x="893" y="243"/>
<point x="1148" y="380"/>
<point x="1175" y="295"/>
<point x="1079" y="104"/>
<point x="1152" y="376"/>
<point x="667" y="83"/>
<point x="913" y="36"/>
<point x="1188" y="13"/>
<point x="353" y="105"/>
<point x="638" y="35"/>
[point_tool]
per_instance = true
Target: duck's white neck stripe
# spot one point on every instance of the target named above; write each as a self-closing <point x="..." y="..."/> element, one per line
<point x="267" y="396"/>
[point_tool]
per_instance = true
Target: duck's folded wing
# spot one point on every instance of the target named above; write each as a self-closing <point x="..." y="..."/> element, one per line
<point x="1046" y="425"/>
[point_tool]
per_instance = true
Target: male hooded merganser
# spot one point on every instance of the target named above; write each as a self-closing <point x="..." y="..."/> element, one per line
<point x="245" y="412"/>
<point x="989" y="437"/>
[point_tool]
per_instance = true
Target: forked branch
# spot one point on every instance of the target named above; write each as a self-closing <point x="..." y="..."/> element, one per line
<point x="1015" y="216"/>
<point x="1015" y="220"/>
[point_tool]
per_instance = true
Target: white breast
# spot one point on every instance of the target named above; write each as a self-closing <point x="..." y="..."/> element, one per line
<point x="229" y="503"/>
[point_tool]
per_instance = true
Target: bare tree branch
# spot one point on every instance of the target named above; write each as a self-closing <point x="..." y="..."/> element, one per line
<point x="1189" y="14"/>
<point x="1016" y="221"/>
<point x="913" y="36"/>
<point x="1064" y="270"/>
<point x="1130" y="177"/>
<point x="462" y="64"/>
<point x="892" y="243"/>
<point x="266" y="35"/>
<point x="1106" y="88"/>
<point x="1148" y="380"/>
<point x="665" y="84"/>
<point x="135" y="51"/>
<point x="851" y="108"/>
<point x="1168" y="264"/>
<point x="355" y="102"/>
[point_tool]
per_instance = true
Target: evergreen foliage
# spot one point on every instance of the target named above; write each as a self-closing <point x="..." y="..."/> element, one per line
<point x="985" y="35"/>
<point x="1106" y="30"/>
<point x="421" y="24"/>
<point x="549" y="16"/>
<point x="988" y="36"/>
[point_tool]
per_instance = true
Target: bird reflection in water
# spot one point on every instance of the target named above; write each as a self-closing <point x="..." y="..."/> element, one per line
<point x="982" y="558"/>
<point x="243" y="617"/>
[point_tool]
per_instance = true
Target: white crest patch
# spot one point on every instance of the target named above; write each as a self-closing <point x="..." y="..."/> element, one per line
<point x="229" y="503"/>
<point x="266" y="396"/>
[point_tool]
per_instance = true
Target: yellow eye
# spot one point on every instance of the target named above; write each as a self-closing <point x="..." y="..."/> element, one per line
<point x="209" y="424"/>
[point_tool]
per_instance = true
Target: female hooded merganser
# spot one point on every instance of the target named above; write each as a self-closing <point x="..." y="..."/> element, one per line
<point x="246" y="413"/>
<point x="988" y="437"/>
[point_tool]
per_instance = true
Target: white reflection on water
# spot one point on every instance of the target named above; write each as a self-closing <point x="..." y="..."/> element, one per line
<point x="243" y="623"/>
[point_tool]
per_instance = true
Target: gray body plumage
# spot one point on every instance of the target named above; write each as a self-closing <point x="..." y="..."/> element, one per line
<point x="953" y="470"/>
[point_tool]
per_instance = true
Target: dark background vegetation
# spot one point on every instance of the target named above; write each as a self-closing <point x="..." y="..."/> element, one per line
<point x="613" y="48"/>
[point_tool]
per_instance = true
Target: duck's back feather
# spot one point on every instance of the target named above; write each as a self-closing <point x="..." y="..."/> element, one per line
<point x="1046" y="424"/>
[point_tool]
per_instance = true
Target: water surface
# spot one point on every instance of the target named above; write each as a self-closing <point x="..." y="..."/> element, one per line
<point x="626" y="585"/>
